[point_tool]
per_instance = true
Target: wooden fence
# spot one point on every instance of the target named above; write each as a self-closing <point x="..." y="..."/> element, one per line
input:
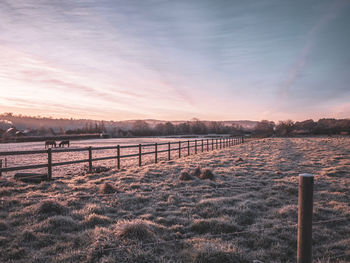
<point x="198" y="145"/>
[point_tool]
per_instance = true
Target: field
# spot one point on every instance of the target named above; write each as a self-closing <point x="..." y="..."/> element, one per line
<point x="20" y="160"/>
<point x="240" y="206"/>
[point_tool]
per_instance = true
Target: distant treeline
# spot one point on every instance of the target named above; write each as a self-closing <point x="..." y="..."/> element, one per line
<point x="141" y="128"/>
<point x="17" y="125"/>
<point x="307" y="127"/>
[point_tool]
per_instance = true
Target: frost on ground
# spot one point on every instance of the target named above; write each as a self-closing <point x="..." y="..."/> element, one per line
<point x="237" y="204"/>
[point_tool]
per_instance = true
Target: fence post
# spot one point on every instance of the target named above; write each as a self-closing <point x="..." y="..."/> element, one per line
<point x="202" y="145"/>
<point x="0" y="168"/>
<point x="169" y="151"/>
<point x="90" y="159"/>
<point x="156" y="152"/>
<point x="140" y="155"/>
<point x="188" y="147"/>
<point x="207" y="145"/>
<point x="179" y="149"/>
<point x="49" y="164"/>
<point x="242" y="139"/>
<point x="118" y="158"/>
<point x="305" y="206"/>
<point x="195" y="146"/>
<point x="212" y="144"/>
<point x="216" y="142"/>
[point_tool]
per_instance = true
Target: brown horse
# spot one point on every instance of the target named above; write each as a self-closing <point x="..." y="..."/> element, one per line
<point x="49" y="143"/>
<point x="63" y="143"/>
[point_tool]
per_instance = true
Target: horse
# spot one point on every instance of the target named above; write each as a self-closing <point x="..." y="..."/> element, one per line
<point x="63" y="143"/>
<point x="49" y="143"/>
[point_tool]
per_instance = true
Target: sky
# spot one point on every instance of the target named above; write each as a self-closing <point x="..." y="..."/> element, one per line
<point x="175" y="60"/>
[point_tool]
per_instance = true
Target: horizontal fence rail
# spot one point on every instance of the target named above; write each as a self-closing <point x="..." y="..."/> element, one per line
<point x="182" y="147"/>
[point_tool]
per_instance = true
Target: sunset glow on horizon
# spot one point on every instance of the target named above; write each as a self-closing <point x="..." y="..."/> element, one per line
<point x="175" y="60"/>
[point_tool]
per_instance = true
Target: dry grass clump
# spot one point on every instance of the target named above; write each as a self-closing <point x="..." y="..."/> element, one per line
<point x="197" y="172"/>
<point x="107" y="188"/>
<point x="217" y="256"/>
<point x="213" y="226"/>
<point x="93" y="220"/>
<point x="137" y="229"/>
<point x="185" y="176"/>
<point x="49" y="208"/>
<point x="3" y="225"/>
<point x="207" y="174"/>
<point x="289" y="211"/>
<point x="97" y="169"/>
<point x="239" y="160"/>
<point x="212" y="252"/>
<point x="91" y="208"/>
<point x="28" y="236"/>
<point x="57" y="225"/>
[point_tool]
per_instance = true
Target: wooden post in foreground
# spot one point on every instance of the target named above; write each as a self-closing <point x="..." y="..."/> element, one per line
<point x="156" y="153"/>
<point x="140" y="155"/>
<point x="169" y="151"/>
<point x="90" y="159"/>
<point x="49" y="164"/>
<point x="188" y="147"/>
<point x="118" y="157"/>
<point x="179" y="149"/>
<point x="305" y="207"/>
<point x="202" y="145"/>
<point x="195" y="146"/>
<point x="0" y="168"/>
<point x="207" y="145"/>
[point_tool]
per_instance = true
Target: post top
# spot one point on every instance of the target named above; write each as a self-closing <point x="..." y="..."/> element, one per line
<point x="306" y="175"/>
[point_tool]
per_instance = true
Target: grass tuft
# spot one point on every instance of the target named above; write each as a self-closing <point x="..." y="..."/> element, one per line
<point x="96" y="220"/>
<point x="197" y="172"/>
<point x="141" y="230"/>
<point x="49" y="208"/>
<point x="58" y="224"/>
<point x="207" y="174"/>
<point x="213" y="226"/>
<point x="3" y="225"/>
<point x="107" y="188"/>
<point x="185" y="176"/>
